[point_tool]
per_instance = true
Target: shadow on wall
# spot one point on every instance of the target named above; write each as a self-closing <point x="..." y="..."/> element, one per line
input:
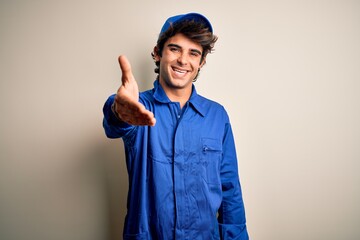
<point x="111" y="155"/>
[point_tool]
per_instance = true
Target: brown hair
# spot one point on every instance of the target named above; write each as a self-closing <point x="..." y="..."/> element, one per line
<point x="195" y="31"/>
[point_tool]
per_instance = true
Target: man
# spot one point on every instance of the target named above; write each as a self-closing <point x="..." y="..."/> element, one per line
<point x="182" y="166"/>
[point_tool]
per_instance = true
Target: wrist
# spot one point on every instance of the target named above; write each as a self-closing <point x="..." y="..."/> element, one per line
<point x="113" y="109"/>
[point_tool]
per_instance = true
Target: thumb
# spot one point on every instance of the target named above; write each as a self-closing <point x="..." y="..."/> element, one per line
<point x="125" y="67"/>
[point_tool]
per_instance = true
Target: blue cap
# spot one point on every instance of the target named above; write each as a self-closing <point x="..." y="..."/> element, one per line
<point x="189" y="16"/>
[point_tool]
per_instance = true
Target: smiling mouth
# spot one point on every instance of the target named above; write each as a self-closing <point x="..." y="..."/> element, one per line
<point x="179" y="72"/>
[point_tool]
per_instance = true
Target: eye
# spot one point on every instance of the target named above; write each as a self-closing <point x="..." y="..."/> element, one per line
<point x="195" y="54"/>
<point x="174" y="49"/>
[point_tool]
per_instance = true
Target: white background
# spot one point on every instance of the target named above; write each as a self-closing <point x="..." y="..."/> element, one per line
<point x="288" y="73"/>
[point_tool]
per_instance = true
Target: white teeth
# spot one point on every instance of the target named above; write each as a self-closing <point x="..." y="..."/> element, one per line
<point x="179" y="71"/>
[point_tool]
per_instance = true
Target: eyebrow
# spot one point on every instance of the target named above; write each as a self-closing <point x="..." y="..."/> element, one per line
<point x="178" y="46"/>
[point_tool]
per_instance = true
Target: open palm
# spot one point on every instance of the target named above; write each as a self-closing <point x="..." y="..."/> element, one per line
<point x="127" y="104"/>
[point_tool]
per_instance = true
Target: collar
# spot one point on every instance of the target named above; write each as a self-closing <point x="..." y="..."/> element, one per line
<point x="196" y="101"/>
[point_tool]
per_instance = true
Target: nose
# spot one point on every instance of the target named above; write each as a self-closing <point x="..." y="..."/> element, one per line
<point x="182" y="59"/>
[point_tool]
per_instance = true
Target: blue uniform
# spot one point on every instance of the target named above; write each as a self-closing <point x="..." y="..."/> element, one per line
<point x="183" y="174"/>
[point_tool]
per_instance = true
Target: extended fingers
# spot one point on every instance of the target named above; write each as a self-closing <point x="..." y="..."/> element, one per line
<point x="138" y="119"/>
<point x="135" y="114"/>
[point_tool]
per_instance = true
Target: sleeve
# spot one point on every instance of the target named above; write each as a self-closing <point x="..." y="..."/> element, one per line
<point x="114" y="127"/>
<point x="232" y="222"/>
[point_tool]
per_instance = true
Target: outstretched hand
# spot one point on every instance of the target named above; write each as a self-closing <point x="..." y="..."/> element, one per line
<point x="127" y="104"/>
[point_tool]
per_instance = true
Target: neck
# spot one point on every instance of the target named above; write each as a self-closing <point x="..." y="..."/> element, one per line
<point x="178" y="98"/>
<point x="180" y="95"/>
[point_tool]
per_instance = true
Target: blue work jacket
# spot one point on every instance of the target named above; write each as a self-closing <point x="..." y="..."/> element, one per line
<point x="183" y="172"/>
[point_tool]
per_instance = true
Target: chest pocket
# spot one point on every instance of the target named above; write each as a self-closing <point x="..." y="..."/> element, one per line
<point x="211" y="155"/>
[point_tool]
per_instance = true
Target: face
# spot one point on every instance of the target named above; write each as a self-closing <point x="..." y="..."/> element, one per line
<point x="180" y="62"/>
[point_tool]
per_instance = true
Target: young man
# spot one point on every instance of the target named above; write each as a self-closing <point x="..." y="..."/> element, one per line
<point x="182" y="166"/>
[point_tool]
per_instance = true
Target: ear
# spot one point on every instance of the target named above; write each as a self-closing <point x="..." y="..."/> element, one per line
<point x="156" y="55"/>
<point x="202" y="63"/>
